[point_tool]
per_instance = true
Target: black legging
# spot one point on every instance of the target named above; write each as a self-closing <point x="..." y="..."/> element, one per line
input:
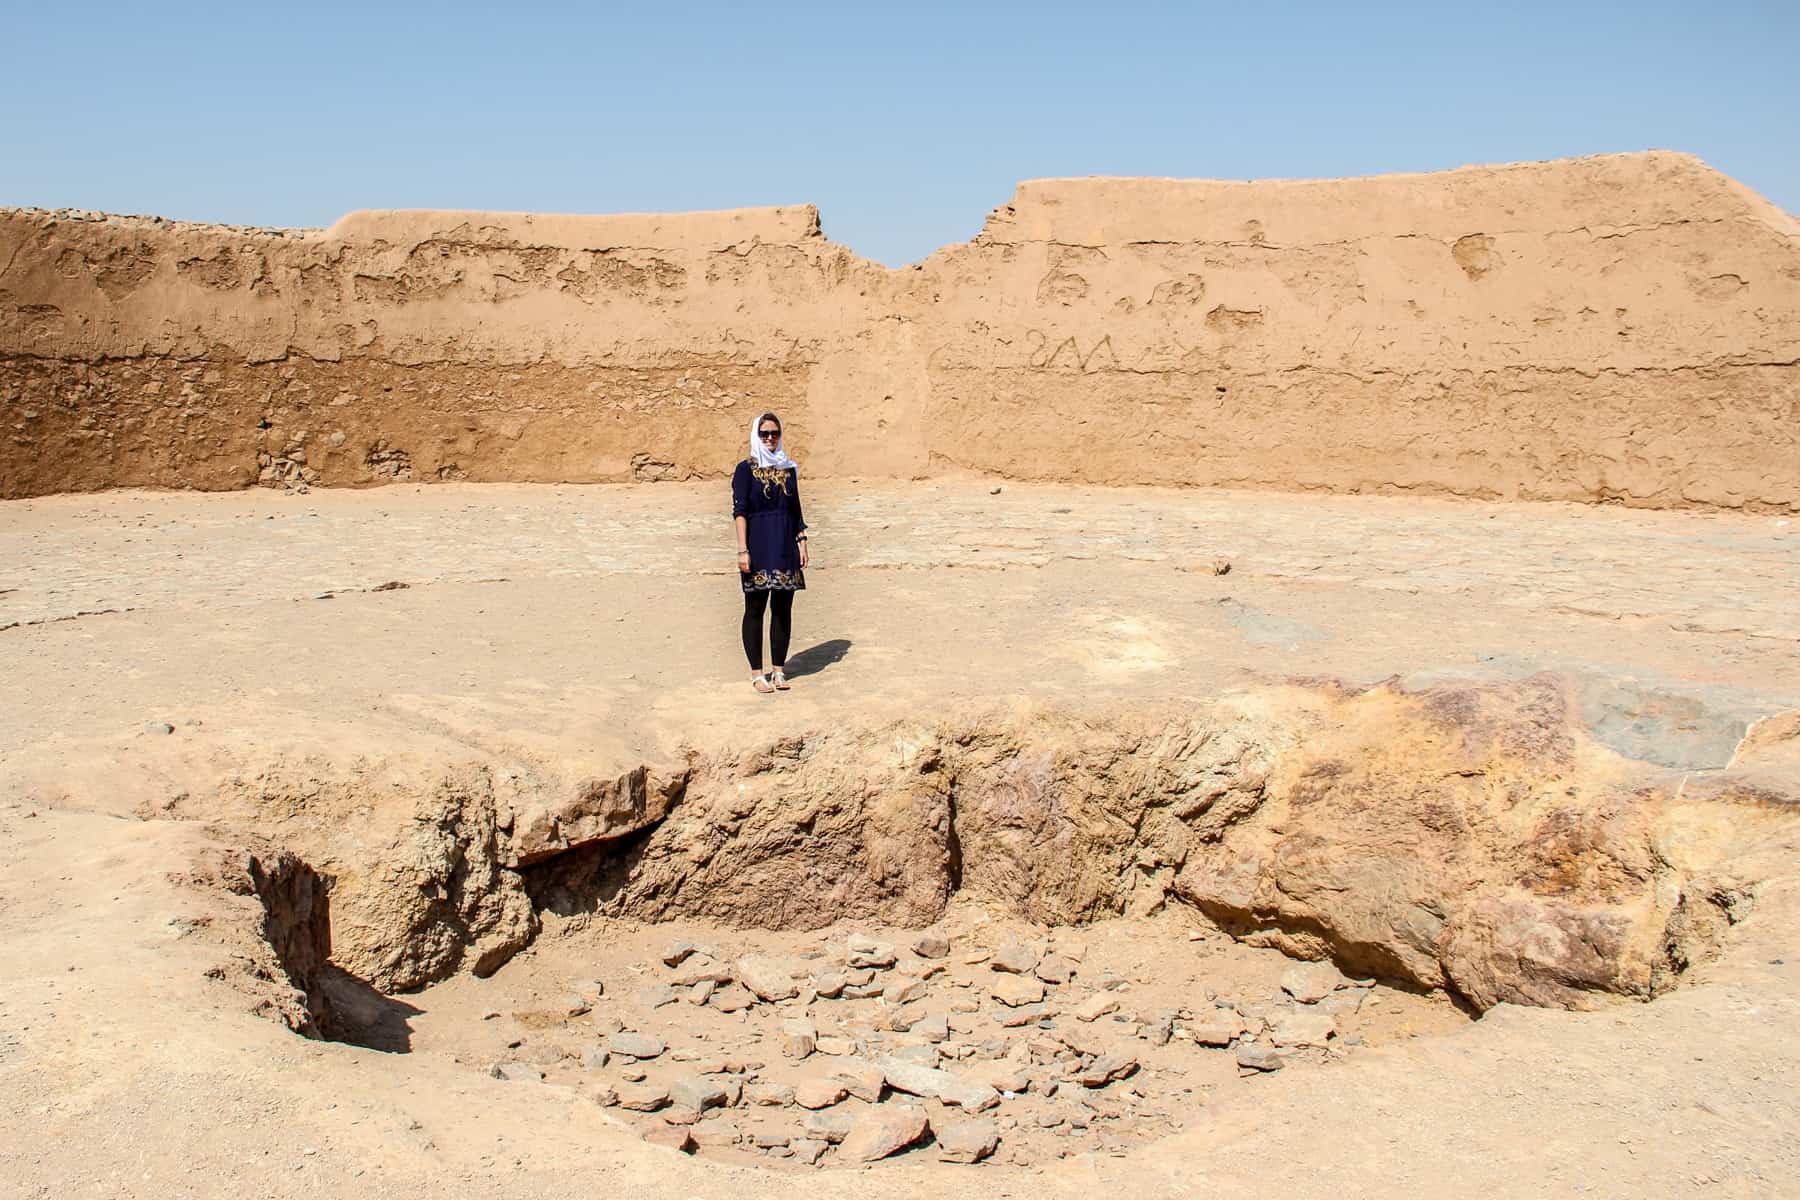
<point x="781" y="625"/>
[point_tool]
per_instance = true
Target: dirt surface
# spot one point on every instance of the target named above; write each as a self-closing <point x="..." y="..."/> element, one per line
<point x="596" y="627"/>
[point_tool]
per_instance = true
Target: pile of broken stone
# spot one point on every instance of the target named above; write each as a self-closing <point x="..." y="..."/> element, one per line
<point x="860" y="1090"/>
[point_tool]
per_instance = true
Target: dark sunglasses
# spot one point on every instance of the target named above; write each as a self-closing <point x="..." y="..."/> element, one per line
<point x="768" y="433"/>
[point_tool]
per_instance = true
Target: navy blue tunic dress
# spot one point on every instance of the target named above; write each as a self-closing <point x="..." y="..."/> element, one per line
<point x="768" y="498"/>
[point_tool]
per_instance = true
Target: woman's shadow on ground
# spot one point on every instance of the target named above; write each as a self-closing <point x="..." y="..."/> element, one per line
<point x="814" y="659"/>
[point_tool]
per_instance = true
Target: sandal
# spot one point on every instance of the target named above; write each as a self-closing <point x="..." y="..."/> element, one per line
<point x="761" y="683"/>
<point x="779" y="679"/>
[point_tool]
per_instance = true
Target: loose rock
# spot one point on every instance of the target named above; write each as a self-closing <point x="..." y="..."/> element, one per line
<point x="714" y="1133"/>
<point x="1014" y="990"/>
<point x="698" y="968"/>
<point x="637" y="1045"/>
<point x="864" y="1079"/>
<point x="1096" y="1006"/>
<point x="1025" y="1014"/>
<point x="936" y="1084"/>
<point x="768" y="1094"/>
<point x="1106" y="1069"/>
<point x="767" y="980"/>
<point x="819" y="1091"/>
<point x="1311" y="982"/>
<point x="1016" y="957"/>
<point x="798" y="1038"/>
<point x="867" y="952"/>
<point x="767" y="1137"/>
<point x="732" y="998"/>
<point x="830" y="1127"/>
<point x="884" y="1131"/>
<point x="966" y="1141"/>
<point x="643" y="1097"/>
<point x="1257" y="1057"/>
<point x="699" y="1094"/>
<point x="1220" y="1027"/>
<point x="1303" y="1029"/>
<point x="931" y="945"/>
<point x="677" y="952"/>
<point x="903" y="989"/>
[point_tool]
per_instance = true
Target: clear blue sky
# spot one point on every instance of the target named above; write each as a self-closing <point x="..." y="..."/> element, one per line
<point x="905" y="123"/>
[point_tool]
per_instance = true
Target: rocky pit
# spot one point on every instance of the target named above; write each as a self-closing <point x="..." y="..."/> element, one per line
<point x="1022" y="930"/>
<point x="1345" y="811"/>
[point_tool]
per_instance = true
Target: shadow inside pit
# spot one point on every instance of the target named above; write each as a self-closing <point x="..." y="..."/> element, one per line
<point x="814" y="659"/>
<point x="581" y="882"/>
<point x="358" y="1015"/>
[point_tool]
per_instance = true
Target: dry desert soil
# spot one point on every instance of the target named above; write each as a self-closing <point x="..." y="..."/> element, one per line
<point x="500" y="736"/>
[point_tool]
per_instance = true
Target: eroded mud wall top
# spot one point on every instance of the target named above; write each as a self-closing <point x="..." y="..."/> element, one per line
<point x="1619" y="328"/>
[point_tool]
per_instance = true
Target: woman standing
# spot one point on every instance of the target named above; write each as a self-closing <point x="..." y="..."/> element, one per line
<point x="771" y="539"/>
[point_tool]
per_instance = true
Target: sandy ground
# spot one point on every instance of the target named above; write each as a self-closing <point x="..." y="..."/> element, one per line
<point x="601" y="624"/>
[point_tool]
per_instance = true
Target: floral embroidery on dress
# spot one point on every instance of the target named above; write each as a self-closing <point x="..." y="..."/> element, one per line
<point x="771" y="477"/>
<point x="782" y="581"/>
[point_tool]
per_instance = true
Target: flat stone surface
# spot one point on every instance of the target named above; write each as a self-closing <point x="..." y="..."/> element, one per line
<point x="819" y="1091"/>
<point x="1024" y="1014"/>
<point x="1019" y="958"/>
<point x="1311" y="982"/>
<point x="966" y="1141"/>
<point x="863" y="951"/>
<point x="935" y="1084"/>
<point x="1106" y="1069"/>
<point x="931" y="944"/>
<point x="830" y="1127"/>
<point x="1305" y="1028"/>
<point x="769" y="1094"/>
<point x="798" y="1037"/>
<point x="637" y="1045"/>
<point x="731" y="997"/>
<point x="701" y="969"/>
<point x="1014" y="990"/>
<point x="643" y="1097"/>
<point x="699" y="1093"/>
<point x="863" y="1079"/>
<point x="675" y="953"/>
<point x="903" y="989"/>
<point x="1220" y="1027"/>
<point x="1096" y="1006"/>
<point x="882" y="1131"/>
<point x="1258" y="1057"/>
<point x="766" y="978"/>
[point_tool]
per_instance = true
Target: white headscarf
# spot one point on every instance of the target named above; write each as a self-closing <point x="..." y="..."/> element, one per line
<point x="769" y="458"/>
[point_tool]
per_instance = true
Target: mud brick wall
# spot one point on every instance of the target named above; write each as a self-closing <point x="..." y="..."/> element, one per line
<point x="1622" y="329"/>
